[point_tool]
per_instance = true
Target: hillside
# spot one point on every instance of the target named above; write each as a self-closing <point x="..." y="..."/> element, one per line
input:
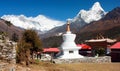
<point x="108" y="27"/>
<point x="83" y="18"/>
<point x="9" y="28"/>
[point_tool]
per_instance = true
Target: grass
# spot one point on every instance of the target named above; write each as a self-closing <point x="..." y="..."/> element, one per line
<point x="46" y="66"/>
<point x="92" y="67"/>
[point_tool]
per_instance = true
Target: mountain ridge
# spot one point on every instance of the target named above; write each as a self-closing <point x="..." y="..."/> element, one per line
<point x="40" y="23"/>
<point x="108" y="27"/>
<point x="95" y="13"/>
<point x="44" y="24"/>
<point x="10" y="29"/>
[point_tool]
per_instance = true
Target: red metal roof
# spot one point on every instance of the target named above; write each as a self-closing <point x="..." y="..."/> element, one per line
<point x="51" y="50"/>
<point x="116" y="46"/>
<point x="84" y="46"/>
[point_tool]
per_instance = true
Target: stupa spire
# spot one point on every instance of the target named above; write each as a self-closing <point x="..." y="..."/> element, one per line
<point x="69" y="49"/>
<point x="68" y="26"/>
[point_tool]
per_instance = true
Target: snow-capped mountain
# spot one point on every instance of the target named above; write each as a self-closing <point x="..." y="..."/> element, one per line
<point x="83" y="18"/>
<point x="40" y="23"/>
<point x="47" y="25"/>
<point x="93" y="14"/>
<point x="93" y="30"/>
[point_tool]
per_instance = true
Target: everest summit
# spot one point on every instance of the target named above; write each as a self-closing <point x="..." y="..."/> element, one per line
<point x="40" y="23"/>
<point x="47" y="25"/>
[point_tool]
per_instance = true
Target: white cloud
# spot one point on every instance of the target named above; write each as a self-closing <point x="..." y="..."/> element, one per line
<point x="39" y="22"/>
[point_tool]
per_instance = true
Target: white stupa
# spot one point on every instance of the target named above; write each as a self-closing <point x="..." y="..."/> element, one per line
<point x="68" y="49"/>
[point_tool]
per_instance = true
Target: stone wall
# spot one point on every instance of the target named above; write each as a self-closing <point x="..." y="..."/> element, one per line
<point x="105" y="59"/>
<point x="7" y="50"/>
<point x="7" y="67"/>
<point x="3" y="66"/>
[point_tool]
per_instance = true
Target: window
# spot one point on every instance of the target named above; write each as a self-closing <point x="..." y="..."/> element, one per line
<point x="70" y="51"/>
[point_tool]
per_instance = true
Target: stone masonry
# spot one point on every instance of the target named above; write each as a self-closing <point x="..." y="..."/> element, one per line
<point x="104" y="59"/>
<point x="7" y="54"/>
<point x="7" y="50"/>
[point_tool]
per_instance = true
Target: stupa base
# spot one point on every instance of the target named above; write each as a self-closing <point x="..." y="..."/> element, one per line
<point x="70" y="56"/>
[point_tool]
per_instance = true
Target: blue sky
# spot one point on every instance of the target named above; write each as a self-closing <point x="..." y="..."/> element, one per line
<point x="56" y="9"/>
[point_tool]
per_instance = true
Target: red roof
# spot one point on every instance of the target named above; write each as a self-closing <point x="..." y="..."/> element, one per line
<point x="84" y="46"/>
<point x="51" y="50"/>
<point x="116" y="46"/>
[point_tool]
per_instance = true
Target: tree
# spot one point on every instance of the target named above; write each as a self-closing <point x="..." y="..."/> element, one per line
<point x="23" y="52"/>
<point x="8" y="23"/>
<point x="29" y="43"/>
<point x="30" y="36"/>
<point x="15" y="37"/>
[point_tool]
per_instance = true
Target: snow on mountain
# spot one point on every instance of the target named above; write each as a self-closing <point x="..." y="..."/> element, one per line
<point x="93" y="14"/>
<point x="84" y="17"/>
<point x="40" y="23"/>
<point x="44" y="24"/>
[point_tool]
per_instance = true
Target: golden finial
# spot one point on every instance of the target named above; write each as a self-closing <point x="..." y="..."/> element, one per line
<point x="68" y="26"/>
